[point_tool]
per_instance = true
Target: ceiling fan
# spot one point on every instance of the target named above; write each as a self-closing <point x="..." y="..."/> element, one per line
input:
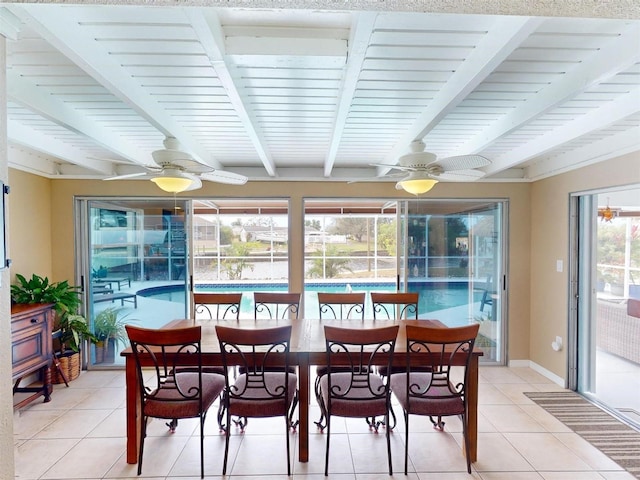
<point x="176" y="171"/>
<point x="422" y="170"/>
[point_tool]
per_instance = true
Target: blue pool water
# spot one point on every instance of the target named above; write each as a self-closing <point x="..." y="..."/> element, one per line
<point x="433" y="295"/>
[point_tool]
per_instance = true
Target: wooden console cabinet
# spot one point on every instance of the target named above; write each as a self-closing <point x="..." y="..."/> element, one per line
<point x="31" y="350"/>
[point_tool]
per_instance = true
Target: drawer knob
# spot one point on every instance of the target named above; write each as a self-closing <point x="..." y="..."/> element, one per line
<point x="34" y="320"/>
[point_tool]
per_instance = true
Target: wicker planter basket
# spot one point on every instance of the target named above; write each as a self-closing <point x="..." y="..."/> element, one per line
<point x="70" y="366"/>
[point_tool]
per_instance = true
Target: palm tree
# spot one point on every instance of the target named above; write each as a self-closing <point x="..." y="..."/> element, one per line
<point x="328" y="264"/>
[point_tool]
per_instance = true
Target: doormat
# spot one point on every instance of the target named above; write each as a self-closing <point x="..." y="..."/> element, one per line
<point x="618" y="441"/>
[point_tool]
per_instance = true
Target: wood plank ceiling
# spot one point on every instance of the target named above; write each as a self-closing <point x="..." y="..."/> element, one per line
<point x="307" y="95"/>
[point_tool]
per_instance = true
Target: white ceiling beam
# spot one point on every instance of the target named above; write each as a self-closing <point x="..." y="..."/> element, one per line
<point x="625" y="142"/>
<point x="29" y="162"/>
<point x="40" y="142"/>
<point x="618" y="55"/>
<point x="621" y="108"/>
<point x="23" y="92"/>
<point x="504" y="37"/>
<point x="57" y="26"/>
<point x="358" y="42"/>
<point x="9" y="24"/>
<point x="209" y="31"/>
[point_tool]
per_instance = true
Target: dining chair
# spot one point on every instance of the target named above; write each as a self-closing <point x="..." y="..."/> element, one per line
<point x="276" y="304"/>
<point x="218" y="305"/>
<point x="259" y="391"/>
<point x="357" y="392"/>
<point x="165" y="392"/>
<point x="487" y="293"/>
<point x="436" y="393"/>
<point x="388" y="305"/>
<point x="340" y="306"/>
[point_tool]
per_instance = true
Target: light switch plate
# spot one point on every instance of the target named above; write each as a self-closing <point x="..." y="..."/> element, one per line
<point x="559" y="266"/>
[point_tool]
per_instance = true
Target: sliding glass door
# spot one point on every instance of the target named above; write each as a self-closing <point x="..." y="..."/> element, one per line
<point x="454" y="255"/>
<point x="451" y="252"/>
<point x="134" y="268"/>
<point x="606" y="363"/>
<point x="142" y="257"/>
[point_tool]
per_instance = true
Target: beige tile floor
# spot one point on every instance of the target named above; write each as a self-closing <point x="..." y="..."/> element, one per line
<point x="80" y="434"/>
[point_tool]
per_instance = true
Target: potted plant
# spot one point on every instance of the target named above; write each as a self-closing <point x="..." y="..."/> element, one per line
<point x="108" y="328"/>
<point x="66" y="300"/>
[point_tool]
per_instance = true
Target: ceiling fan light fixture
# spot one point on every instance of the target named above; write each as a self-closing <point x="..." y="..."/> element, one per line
<point x="417" y="184"/>
<point x="173" y="182"/>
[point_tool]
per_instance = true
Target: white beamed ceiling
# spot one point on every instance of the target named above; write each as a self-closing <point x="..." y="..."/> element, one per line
<point x="307" y="95"/>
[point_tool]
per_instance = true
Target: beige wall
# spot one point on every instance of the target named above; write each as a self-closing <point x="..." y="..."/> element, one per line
<point x="30" y="246"/>
<point x="538" y="234"/>
<point x="550" y="242"/>
<point x="519" y="211"/>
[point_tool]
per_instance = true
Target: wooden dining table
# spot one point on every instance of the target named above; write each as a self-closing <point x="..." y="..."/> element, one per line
<point x="307" y="348"/>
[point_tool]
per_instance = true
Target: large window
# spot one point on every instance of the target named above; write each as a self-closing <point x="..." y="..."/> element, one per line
<point x="144" y="255"/>
<point x="241" y="242"/>
<point x="349" y="246"/>
<point x="451" y="252"/>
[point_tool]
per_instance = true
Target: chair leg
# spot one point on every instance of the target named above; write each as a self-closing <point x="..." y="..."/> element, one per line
<point x="201" y="445"/>
<point x="227" y="433"/>
<point x="465" y="434"/>
<point x="326" y="457"/>
<point x="438" y="425"/>
<point x="394" y="420"/>
<point x="143" y="434"/>
<point x="286" y="432"/>
<point x="320" y="424"/>
<point x="241" y="423"/>
<point x="388" y="435"/>
<point x="293" y="425"/>
<point x="173" y="424"/>
<point x="406" y="441"/>
<point x="221" y="415"/>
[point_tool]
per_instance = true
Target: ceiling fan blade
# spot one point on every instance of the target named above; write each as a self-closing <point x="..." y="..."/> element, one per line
<point x="229" y="178"/>
<point x="383" y="178"/>
<point x="128" y="175"/>
<point x="191" y="166"/>
<point x="462" y="162"/>
<point x="397" y="167"/>
<point x="196" y="183"/>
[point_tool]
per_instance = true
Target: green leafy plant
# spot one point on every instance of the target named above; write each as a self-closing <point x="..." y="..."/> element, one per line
<point x="74" y="329"/>
<point x="329" y="265"/>
<point x="66" y="300"/>
<point x="109" y="325"/>
<point x="237" y="259"/>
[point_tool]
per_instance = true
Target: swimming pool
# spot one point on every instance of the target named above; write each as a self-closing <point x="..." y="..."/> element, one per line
<point x="433" y="295"/>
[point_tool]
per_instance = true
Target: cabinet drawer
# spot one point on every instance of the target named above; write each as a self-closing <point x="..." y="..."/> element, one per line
<point x="30" y="349"/>
<point x="26" y="322"/>
<point x="30" y="339"/>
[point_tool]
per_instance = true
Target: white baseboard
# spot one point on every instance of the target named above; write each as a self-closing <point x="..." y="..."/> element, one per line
<point x="541" y="370"/>
<point x="520" y="363"/>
